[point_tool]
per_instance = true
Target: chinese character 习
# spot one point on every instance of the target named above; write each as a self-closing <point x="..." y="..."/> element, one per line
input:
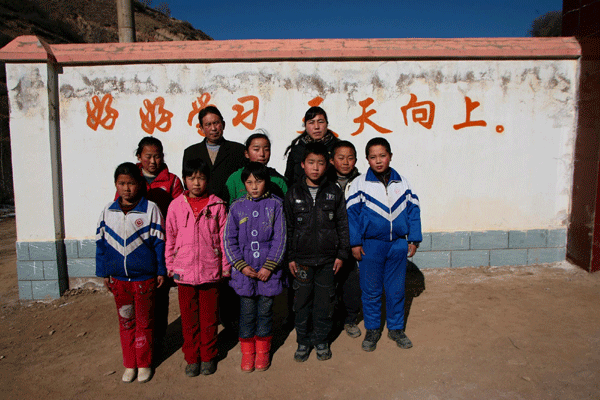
<point x="241" y="115"/>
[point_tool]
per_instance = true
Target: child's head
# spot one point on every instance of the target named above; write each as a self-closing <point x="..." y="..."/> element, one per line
<point x="195" y="174"/>
<point x="129" y="182"/>
<point x="150" y="154"/>
<point x="343" y="157"/>
<point x="211" y="123"/>
<point x="258" y="147"/>
<point x="379" y="154"/>
<point x="315" y="123"/>
<point x="315" y="162"/>
<point x="256" y="179"/>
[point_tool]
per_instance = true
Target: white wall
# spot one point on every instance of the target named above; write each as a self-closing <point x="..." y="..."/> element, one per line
<point x="468" y="179"/>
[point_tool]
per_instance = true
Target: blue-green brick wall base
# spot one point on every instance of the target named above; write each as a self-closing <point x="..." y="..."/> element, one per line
<point x="41" y="269"/>
<point x="491" y="248"/>
<point x="42" y="266"/>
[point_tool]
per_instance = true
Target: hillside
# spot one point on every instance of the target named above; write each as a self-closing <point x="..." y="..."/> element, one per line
<point x="68" y="21"/>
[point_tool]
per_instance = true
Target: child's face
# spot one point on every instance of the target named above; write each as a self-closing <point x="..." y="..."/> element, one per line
<point x="151" y="159"/>
<point x="212" y="127"/>
<point x="314" y="167"/>
<point x="379" y="158"/>
<point x="127" y="188"/>
<point x="344" y="160"/>
<point x="259" y="151"/>
<point x="255" y="187"/>
<point x="196" y="184"/>
<point x="316" y="127"/>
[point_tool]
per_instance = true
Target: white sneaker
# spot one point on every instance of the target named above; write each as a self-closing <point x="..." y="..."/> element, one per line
<point x="144" y="375"/>
<point x="129" y="375"/>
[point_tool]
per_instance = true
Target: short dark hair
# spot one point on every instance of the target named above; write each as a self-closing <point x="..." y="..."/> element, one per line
<point x="190" y="167"/>
<point x="209" y="110"/>
<point x="132" y="170"/>
<point x="313" y="112"/>
<point x="342" y="143"/>
<point x="260" y="171"/>
<point x="148" y="141"/>
<point x="256" y="135"/>
<point x="378" y="141"/>
<point x="316" y="148"/>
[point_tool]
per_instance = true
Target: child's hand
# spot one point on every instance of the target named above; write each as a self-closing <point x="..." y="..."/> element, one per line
<point x="170" y="274"/>
<point x="412" y="249"/>
<point x="293" y="268"/>
<point x="249" y="272"/>
<point x="107" y="284"/>
<point x="337" y="265"/>
<point x="358" y="252"/>
<point x="160" y="280"/>
<point x="264" y="274"/>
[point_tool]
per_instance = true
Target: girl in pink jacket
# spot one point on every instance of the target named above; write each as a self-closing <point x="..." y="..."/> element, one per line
<point x="196" y="261"/>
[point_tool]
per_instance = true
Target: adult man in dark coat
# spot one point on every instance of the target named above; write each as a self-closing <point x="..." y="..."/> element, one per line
<point x="223" y="156"/>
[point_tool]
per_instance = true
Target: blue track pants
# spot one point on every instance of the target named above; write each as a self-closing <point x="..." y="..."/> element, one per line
<point x="383" y="266"/>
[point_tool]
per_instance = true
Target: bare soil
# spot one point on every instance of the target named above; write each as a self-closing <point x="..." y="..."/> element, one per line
<point x="478" y="333"/>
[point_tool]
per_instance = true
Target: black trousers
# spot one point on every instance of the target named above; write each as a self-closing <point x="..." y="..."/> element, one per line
<point x="348" y="292"/>
<point x="314" y="303"/>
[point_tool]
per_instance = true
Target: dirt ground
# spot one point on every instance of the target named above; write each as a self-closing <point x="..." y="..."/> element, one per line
<point x="478" y="333"/>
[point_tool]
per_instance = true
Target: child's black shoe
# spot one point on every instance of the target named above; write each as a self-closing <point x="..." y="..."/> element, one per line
<point x="208" y="367"/>
<point x="371" y="338"/>
<point x="352" y="330"/>
<point x="192" y="370"/>
<point x="323" y="352"/>
<point x="398" y="336"/>
<point x="302" y="353"/>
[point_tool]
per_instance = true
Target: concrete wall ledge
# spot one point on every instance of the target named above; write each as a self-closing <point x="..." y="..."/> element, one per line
<point x="33" y="49"/>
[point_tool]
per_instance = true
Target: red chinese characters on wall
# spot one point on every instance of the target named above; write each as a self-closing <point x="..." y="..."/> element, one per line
<point x="365" y="118"/>
<point x="422" y="112"/>
<point x="156" y="116"/>
<point x="242" y="115"/>
<point x="198" y="105"/>
<point x="100" y="113"/>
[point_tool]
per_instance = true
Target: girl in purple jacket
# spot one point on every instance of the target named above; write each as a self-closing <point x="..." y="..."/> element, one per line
<point x="255" y="242"/>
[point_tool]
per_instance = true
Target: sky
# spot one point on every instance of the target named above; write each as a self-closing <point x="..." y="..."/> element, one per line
<point x="310" y="19"/>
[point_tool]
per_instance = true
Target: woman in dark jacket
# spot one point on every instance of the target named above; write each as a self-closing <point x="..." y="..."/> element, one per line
<point x="315" y="124"/>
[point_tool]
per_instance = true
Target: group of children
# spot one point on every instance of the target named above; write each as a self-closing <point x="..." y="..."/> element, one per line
<point x="333" y="228"/>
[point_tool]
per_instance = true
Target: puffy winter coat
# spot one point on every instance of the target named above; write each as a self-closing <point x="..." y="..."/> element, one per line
<point x="255" y="236"/>
<point x="130" y="247"/>
<point x="317" y="231"/>
<point x="194" y="249"/>
<point x="383" y="213"/>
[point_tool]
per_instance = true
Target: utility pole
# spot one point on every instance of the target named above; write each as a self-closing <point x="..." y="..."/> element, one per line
<point x="126" y="21"/>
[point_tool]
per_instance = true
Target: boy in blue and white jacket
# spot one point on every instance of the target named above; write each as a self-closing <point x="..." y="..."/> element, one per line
<point x="385" y="227"/>
<point x="130" y="256"/>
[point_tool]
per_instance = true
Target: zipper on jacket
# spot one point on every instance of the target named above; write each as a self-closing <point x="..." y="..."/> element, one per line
<point x="387" y="198"/>
<point x="125" y="245"/>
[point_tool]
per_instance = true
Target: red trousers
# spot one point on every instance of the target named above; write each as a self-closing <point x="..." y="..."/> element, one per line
<point x="135" y="307"/>
<point x="199" y="306"/>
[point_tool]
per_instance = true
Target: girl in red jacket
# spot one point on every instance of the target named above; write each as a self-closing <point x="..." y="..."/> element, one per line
<point x="162" y="187"/>
<point x="195" y="258"/>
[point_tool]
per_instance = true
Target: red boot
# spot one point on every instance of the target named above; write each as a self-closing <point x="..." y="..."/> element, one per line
<point x="248" y="354"/>
<point x="263" y="347"/>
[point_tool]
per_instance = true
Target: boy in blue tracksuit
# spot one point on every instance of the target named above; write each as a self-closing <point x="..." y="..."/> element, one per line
<point x="385" y="228"/>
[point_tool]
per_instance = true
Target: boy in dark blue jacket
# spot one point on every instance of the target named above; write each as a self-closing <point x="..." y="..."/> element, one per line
<point x="318" y="242"/>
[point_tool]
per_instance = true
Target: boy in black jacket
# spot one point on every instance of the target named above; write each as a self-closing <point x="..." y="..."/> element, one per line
<point x="318" y="242"/>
